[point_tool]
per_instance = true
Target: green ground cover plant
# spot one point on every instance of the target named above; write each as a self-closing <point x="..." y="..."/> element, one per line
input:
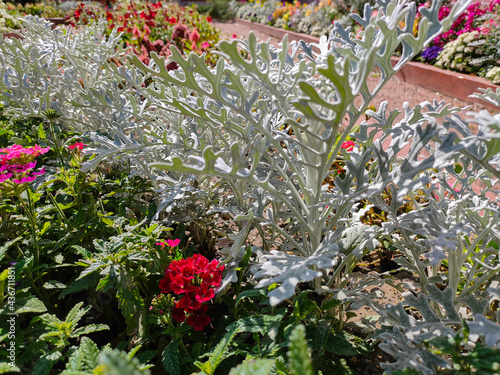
<point x="197" y="219"/>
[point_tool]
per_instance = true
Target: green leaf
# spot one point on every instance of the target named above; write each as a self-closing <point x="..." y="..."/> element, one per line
<point x="303" y="307"/>
<point x="29" y="305"/>
<point x="6" y="245"/>
<point x="5" y="368"/>
<point x="85" y="357"/>
<point x="130" y="302"/>
<point x="76" y="313"/>
<point x="82" y="251"/>
<point x="170" y="358"/>
<point x="254" y="367"/>
<point x="54" y="284"/>
<point x="485" y="360"/>
<point x="118" y="363"/>
<point x="45" y="363"/>
<point x="255" y="294"/>
<point x="176" y="330"/>
<point x="299" y="361"/>
<point x="339" y="345"/>
<point x="89" y="328"/>
<point x="81" y="283"/>
<point x="264" y="324"/>
<point x="407" y="371"/>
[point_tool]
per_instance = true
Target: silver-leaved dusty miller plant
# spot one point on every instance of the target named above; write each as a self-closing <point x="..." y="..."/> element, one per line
<point x="257" y="136"/>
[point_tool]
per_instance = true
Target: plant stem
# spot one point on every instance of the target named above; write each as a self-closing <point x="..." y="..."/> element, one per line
<point x="56" y="142"/>
<point x="30" y="212"/>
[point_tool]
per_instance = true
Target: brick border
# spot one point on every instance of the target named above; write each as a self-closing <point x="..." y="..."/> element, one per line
<point x="456" y="85"/>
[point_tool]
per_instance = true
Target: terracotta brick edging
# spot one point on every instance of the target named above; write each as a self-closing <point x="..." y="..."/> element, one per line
<point x="454" y="84"/>
<point x="277" y="33"/>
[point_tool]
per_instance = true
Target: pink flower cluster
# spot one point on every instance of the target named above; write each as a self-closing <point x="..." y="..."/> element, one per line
<point x="17" y="166"/>
<point x="195" y="279"/>
<point x="466" y="22"/>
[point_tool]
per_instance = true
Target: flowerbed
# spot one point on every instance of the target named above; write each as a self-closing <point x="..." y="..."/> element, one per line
<point x="214" y="220"/>
<point x="10" y="14"/>
<point x="469" y="46"/>
<point x="154" y="27"/>
<point x="315" y="18"/>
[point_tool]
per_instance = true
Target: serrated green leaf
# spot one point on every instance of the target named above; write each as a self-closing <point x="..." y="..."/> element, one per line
<point x="85" y="358"/>
<point x="299" y="361"/>
<point x="6" y="245"/>
<point x="80" y="284"/>
<point x="170" y="358"/>
<point x="176" y="330"/>
<point x="254" y="367"/>
<point x="45" y="363"/>
<point x="407" y="371"/>
<point x="130" y="302"/>
<point x="146" y="356"/>
<point x="54" y="284"/>
<point x="89" y="328"/>
<point x="5" y="368"/>
<point x="82" y="251"/>
<point x="76" y="313"/>
<point x="257" y="324"/>
<point x="118" y="363"/>
<point x="251" y="294"/>
<point x="29" y="305"/>
<point x="339" y="345"/>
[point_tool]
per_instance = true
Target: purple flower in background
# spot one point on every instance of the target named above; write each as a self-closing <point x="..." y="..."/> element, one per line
<point x="270" y="18"/>
<point x="431" y="53"/>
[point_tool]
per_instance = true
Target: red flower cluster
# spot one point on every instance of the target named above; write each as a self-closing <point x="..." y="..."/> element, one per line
<point x="195" y="278"/>
<point x="153" y="27"/>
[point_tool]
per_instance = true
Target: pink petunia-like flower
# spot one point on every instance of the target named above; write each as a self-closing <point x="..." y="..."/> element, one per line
<point x="205" y="45"/>
<point x="77" y="145"/>
<point x="348" y="145"/>
<point x="234" y="36"/>
<point x="5" y="176"/>
<point x="173" y="243"/>
<point x="29" y="177"/>
<point x="18" y="154"/>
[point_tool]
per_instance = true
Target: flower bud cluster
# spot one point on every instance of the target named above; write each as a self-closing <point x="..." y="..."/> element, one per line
<point x="195" y="279"/>
<point x="17" y="167"/>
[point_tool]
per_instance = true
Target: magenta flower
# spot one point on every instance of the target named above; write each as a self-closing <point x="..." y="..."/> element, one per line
<point x="173" y="243"/>
<point x="18" y="166"/>
<point x="77" y="145"/>
<point x="5" y="176"/>
<point x="348" y="145"/>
